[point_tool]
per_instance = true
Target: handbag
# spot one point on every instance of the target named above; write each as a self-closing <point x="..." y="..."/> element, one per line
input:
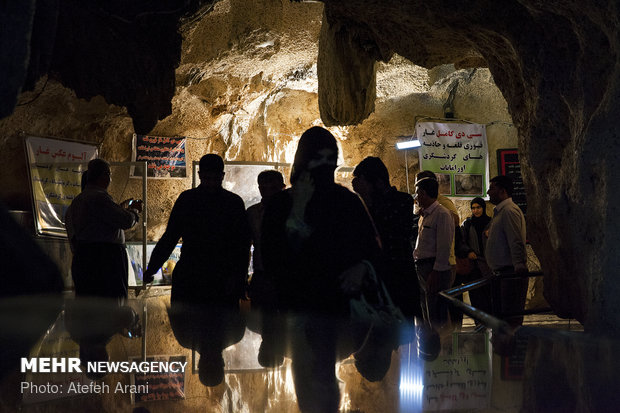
<point x="375" y="309"/>
<point x="463" y="266"/>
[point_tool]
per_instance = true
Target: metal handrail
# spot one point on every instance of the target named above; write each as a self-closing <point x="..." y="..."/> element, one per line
<point x="450" y="293"/>
<point x="500" y="326"/>
<point x="485" y="318"/>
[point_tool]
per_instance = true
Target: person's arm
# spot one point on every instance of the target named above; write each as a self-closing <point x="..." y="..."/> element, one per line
<point x="168" y="241"/>
<point x="515" y="236"/>
<point x="364" y="244"/>
<point x="444" y="238"/>
<point x="240" y="248"/>
<point x="277" y="254"/>
<point x="70" y="230"/>
<point x="112" y="213"/>
<point x="466" y="249"/>
<point x="296" y="226"/>
<point x="402" y="226"/>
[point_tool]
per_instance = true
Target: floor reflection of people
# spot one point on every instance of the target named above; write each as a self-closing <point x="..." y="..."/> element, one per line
<point x="392" y="212"/>
<point x="210" y="276"/>
<point x="312" y="233"/>
<point x="95" y="225"/>
<point x="262" y="288"/>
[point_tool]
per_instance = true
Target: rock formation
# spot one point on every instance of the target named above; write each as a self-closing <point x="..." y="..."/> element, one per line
<point x="239" y="77"/>
<point x="559" y="79"/>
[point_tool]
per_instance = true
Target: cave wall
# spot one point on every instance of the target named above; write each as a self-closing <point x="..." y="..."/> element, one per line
<point x="556" y="64"/>
<point x="248" y="95"/>
<point x="241" y="81"/>
<point x="558" y="78"/>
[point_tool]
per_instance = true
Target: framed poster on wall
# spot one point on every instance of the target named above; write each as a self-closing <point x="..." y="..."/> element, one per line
<point x="55" y="167"/>
<point x="458" y="155"/>
<point x="165" y="156"/>
<point x="508" y="164"/>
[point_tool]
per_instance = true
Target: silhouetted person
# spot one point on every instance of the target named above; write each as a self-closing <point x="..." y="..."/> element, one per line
<point x="84" y="180"/>
<point x="473" y="248"/>
<point x="392" y="213"/>
<point x="312" y="233"/>
<point x="262" y="288"/>
<point x="31" y="292"/>
<point x="505" y="251"/>
<point x="210" y="276"/>
<point x="95" y="227"/>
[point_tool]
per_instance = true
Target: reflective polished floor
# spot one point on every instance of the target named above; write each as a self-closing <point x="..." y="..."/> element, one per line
<point x="466" y="376"/>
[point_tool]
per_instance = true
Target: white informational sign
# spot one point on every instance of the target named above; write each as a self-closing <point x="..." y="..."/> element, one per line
<point x="458" y="154"/>
<point x="461" y="380"/>
<point x="55" y="174"/>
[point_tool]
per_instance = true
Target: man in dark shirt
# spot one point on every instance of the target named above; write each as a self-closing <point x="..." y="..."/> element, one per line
<point x="392" y="212"/>
<point x="210" y="277"/>
<point x="262" y="287"/>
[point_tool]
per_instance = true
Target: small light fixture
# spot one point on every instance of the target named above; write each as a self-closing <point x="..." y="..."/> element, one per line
<point x="415" y="143"/>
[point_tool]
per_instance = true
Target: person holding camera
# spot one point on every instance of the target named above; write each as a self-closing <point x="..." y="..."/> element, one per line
<point x="95" y="227"/>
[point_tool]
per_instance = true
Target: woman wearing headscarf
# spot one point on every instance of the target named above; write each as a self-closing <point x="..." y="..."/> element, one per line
<point x="473" y="246"/>
<point x="311" y="234"/>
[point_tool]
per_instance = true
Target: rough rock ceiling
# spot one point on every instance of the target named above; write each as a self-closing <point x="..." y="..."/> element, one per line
<point x="556" y="64"/>
<point x="124" y="51"/>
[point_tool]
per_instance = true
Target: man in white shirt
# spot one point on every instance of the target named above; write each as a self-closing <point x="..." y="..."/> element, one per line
<point x="505" y="249"/>
<point x="432" y="252"/>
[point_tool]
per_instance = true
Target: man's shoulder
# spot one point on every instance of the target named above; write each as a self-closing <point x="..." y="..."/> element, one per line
<point x="281" y="197"/>
<point x="439" y="212"/>
<point x="347" y="198"/>
<point x="510" y="208"/>
<point x="188" y="194"/>
<point x="442" y="210"/>
<point x="222" y="194"/>
<point x="344" y="192"/>
<point x="230" y="199"/>
<point x="399" y="196"/>
<point x="255" y="209"/>
<point x="447" y="203"/>
<point x="91" y="194"/>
